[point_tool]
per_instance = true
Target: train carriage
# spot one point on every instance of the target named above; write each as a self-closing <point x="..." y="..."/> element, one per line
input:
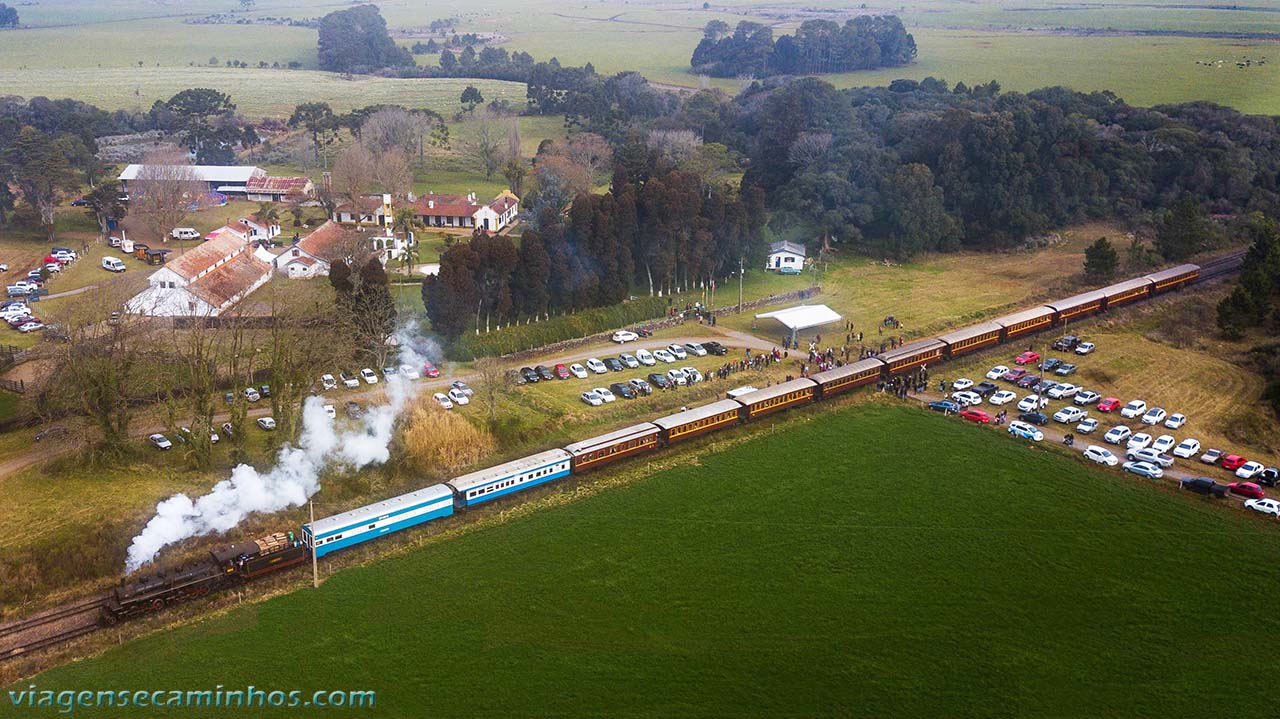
<point x="611" y="447"/>
<point x="372" y="521"/>
<point x="1026" y="322"/>
<point x="1123" y="293"/>
<point x="970" y="339"/>
<point x="778" y="397"/>
<point x="842" y="379"/>
<point x="699" y="420"/>
<point x="1173" y="278"/>
<point x="911" y="355"/>
<point x="476" y="487"/>
<point x="1078" y="306"/>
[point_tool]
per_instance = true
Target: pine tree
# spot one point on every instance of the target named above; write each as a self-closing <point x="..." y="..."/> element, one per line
<point x="1183" y="233"/>
<point x="1101" y="260"/>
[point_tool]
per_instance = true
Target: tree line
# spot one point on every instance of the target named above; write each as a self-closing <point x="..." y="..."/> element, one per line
<point x="865" y="42"/>
<point x="8" y="16"/>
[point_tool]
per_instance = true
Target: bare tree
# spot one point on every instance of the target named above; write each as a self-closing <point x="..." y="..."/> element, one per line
<point x="485" y="145"/>
<point x="301" y="341"/>
<point x="166" y="186"/>
<point x="589" y="151"/>
<point x="514" y="150"/>
<point x="392" y="174"/>
<point x="195" y="350"/>
<point x="676" y="145"/>
<point x="353" y="172"/>
<point x="489" y="387"/>
<point x="809" y="148"/>
<point x="395" y="128"/>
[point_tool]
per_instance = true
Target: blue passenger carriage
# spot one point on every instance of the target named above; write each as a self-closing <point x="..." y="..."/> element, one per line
<point x="390" y="515"/>
<point x="494" y="482"/>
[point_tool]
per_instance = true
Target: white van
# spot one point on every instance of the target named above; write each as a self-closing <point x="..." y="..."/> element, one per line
<point x="112" y="264"/>
<point x="185" y="233"/>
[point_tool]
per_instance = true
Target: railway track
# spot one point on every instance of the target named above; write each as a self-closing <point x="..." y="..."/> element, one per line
<point x="1224" y="265"/>
<point x="52" y="626"/>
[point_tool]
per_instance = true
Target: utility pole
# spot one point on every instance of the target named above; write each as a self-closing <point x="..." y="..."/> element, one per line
<point x="741" y="270"/>
<point x="315" y="567"/>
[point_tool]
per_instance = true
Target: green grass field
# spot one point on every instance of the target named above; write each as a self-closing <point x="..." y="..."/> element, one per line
<point x="795" y="574"/>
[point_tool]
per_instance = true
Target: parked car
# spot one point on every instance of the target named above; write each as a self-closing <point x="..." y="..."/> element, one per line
<point x="641" y="387"/>
<point x="1187" y="448"/>
<point x="962" y="384"/>
<point x="31" y="326"/>
<point x="443" y="400"/>
<point x="1065" y="369"/>
<point x="1084" y="348"/>
<point x="251" y="394"/>
<point x="997" y="372"/>
<point x="330" y="412"/>
<point x="591" y="398"/>
<point x="945" y="406"/>
<point x="1013" y="375"/>
<point x="1140" y="440"/>
<point x="623" y="390"/>
<point x="159" y="441"/>
<point x="1211" y="456"/>
<point x="1050" y="364"/>
<point x="659" y="380"/>
<point x="264" y="390"/>
<point x="1150" y="456"/>
<point x="529" y="375"/>
<point x="577" y="370"/>
<point x="1002" y="397"/>
<point x="1043" y="386"/>
<point x="1101" y="455"/>
<point x="1035" y="418"/>
<point x="1063" y="391"/>
<point x="604" y="394"/>
<point x="1163" y="443"/>
<point x="349" y="380"/>
<point x="1069" y="415"/>
<point x="327" y="382"/>
<point x="597" y="366"/>
<point x="1264" y="506"/>
<point x="1134" y="409"/>
<point x="113" y="264"/>
<point x="462" y="387"/>
<point x="715" y="348"/>
<point x="629" y="361"/>
<point x="562" y="372"/>
<point x="390" y="371"/>
<point x="1155" y="415"/>
<point x="1086" y="397"/>
<point x="1026" y="431"/>
<point x="1029" y="403"/>
<point x="1203" y="485"/>
<point x="1176" y="420"/>
<point x="1246" y="489"/>
<point x="458" y="397"/>
<point x="692" y="373"/>
<point x="664" y="355"/>
<point x="985" y="389"/>
<point x="1027" y="381"/>
<point x="1143" y="469"/>
<point x="1116" y="435"/>
<point x="622" y="336"/>
<point x="677" y="351"/>
<point x="430" y="370"/>
<point x="677" y="377"/>
<point x="1232" y="462"/>
<point x="267" y="424"/>
<point x="975" y="415"/>
<point x="1108" y="404"/>
<point x="1027" y="357"/>
<point x="355" y="411"/>
<point x="227" y="430"/>
<point x="645" y="357"/>
<point x="1066" y="344"/>
<point x="1088" y="425"/>
<point x="966" y="398"/>
<point x="695" y="349"/>
<point x="1249" y="470"/>
<point x="614" y="364"/>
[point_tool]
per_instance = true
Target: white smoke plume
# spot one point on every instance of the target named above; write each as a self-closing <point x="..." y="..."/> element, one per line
<point x="296" y="474"/>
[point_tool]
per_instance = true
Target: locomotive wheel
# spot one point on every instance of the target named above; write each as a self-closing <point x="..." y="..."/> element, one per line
<point x="200" y="591"/>
<point x="157" y="604"/>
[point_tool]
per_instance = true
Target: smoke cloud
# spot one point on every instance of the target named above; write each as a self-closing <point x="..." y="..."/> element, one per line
<point x="297" y="471"/>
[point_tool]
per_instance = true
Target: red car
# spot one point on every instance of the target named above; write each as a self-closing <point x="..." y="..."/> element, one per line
<point x="1109" y="404"/>
<point x="1014" y="375"/>
<point x="1232" y="462"/>
<point x="50" y="259"/>
<point x="1246" y="489"/>
<point x="430" y="370"/>
<point x="1027" y="357"/>
<point x="976" y="415"/>
<point x="561" y="371"/>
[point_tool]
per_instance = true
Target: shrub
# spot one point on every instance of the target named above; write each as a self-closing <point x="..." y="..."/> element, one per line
<point x="437" y="440"/>
<point x="557" y="329"/>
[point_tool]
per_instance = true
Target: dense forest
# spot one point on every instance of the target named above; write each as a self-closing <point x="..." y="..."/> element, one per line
<point x="1254" y="303"/>
<point x="818" y="46"/>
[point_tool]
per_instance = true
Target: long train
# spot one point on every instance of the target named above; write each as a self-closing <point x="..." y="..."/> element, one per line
<point x="237" y="563"/>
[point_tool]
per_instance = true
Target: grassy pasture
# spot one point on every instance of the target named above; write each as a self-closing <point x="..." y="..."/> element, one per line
<point x="793" y="574"/>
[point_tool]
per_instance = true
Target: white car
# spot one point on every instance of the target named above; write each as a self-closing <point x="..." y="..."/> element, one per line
<point x="678" y="351"/>
<point x="1029" y="403"/>
<point x="604" y="394"/>
<point x="1062" y="391"/>
<point x="252" y="394"/>
<point x="330" y="411"/>
<point x="591" y="398"/>
<point x="1187" y="448"/>
<point x="997" y="372"/>
<point x="1116" y="435"/>
<point x="622" y="336"/>
<point x="53" y="267"/>
<point x="160" y="441"/>
<point x="677" y="377"/>
<point x="597" y="366"/>
<point x="1069" y="415"/>
<point x="961" y="384"/>
<point x="328" y="382"/>
<point x="408" y="371"/>
<point x="1084" y="348"/>
<point x="1249" y="470"/>
<point x="1004" y="396"/>
<point x="692" y="374"/>
<point x="664" y="355"/>
<point x="1088" y="425"/>
<point x="443" y="400"/>
<point x="1164" y="443"/>
<point x="1133" y="409"/>
<point x="1144" y="469"/>
<point x="369" y="376"/>
<point x="458" y="397"/>
<point x="1141" y="440"/>
<point x="350" y="381"/>
<point x="1265" y="506"/>
<point x="1101" y="455"/>
<point x="32" y="326"/>
<point x="1085" y="396"/>
<point x="967" y="398"/>
<point x="1176" y="420"/>
<point x="578" y="370"/>
<point x="1026" y="431"/>
<point x="268" y="424"/>
<point x="1155" y="415"/>
<point x="696" y="349"/>
<point x="1150" y="456"/>
<point x="629" y="361"/>
<point x="645" y="357"/>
